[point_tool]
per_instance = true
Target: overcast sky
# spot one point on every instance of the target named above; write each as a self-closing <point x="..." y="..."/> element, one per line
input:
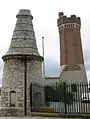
<point x="45" y="13"/>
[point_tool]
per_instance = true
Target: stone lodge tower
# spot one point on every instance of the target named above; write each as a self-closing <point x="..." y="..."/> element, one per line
<point x="22" y="65"/>
<point x="71" y="55"/>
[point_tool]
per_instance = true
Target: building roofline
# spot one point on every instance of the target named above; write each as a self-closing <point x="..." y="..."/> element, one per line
<point x="52" y="77"/>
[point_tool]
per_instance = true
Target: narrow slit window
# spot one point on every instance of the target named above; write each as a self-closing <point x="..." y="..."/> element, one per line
<point x="13" y="98"/>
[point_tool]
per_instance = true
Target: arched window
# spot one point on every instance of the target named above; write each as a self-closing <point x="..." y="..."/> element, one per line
<point x="13" y="98"/>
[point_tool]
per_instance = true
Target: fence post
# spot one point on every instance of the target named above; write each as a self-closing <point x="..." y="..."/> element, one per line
<point x="45" y="94"/>
<point x="31" y="97"/>
<point x="65" y="98"/>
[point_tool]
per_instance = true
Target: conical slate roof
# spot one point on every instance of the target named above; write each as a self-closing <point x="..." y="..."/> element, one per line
<point x="23" y="41"/>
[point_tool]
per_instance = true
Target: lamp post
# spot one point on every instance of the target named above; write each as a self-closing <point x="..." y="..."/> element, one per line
<point x="25" y="84"/>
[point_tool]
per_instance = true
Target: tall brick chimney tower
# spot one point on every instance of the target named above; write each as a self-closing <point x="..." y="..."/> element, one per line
<point x="71" y="55"/>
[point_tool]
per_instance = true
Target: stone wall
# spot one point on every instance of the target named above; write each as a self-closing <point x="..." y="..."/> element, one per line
<point x="73" y="76"/>
<point x="23" y="65"/>
<point x="10" y="111"/>
<point x="51" y="80"/>
<point x="13" y="80"/>
<point x="34" y="74"/>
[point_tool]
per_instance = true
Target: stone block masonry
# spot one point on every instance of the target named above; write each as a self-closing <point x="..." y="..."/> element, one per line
<point x="22" y="65"/>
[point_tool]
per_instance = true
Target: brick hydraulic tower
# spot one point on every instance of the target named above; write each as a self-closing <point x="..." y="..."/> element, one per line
<point x="71" y="55"/>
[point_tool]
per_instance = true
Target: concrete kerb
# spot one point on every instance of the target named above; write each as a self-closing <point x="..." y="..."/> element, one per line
<point x="58" y="115"/>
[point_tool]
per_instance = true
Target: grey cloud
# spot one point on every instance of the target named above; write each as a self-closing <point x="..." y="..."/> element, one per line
<point x="52" y="67"/>
<point x="87" y="67"/>
<point x="1" y="65"/>
<point x="86" y="54"/>
<point x="1" y="70"/>
<point x="87" y="59"/>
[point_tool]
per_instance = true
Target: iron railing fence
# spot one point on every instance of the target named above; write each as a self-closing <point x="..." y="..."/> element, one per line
<point x="60" y="98"/>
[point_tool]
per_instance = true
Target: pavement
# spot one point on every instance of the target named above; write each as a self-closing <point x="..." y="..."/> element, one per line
<point x="28" y="118"/>
<point x="34" y="117"/>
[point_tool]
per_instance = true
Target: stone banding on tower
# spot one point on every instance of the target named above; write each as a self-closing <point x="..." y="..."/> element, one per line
<point x="22" y="65"/>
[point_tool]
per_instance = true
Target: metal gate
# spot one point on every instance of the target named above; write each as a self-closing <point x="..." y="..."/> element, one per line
<point x="60" y="98"/>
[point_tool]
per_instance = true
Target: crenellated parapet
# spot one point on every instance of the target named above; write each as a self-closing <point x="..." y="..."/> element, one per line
<point x="71" y="55"/>
<point x="65" y="22"/>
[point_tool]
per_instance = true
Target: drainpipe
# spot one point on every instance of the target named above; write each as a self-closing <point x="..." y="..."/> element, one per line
<point x="25" y="85"/>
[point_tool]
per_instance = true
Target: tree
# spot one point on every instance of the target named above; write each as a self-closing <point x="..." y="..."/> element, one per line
<point x="49" y="93"/>
<point x="59" y="93"/>
<point x="63" y="94"/>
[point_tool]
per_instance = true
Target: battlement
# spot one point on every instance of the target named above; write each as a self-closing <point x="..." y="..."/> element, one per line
<point x="65" y="20"/>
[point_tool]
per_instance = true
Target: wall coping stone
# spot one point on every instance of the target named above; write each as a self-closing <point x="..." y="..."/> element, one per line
<point x="60" y="115"/>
